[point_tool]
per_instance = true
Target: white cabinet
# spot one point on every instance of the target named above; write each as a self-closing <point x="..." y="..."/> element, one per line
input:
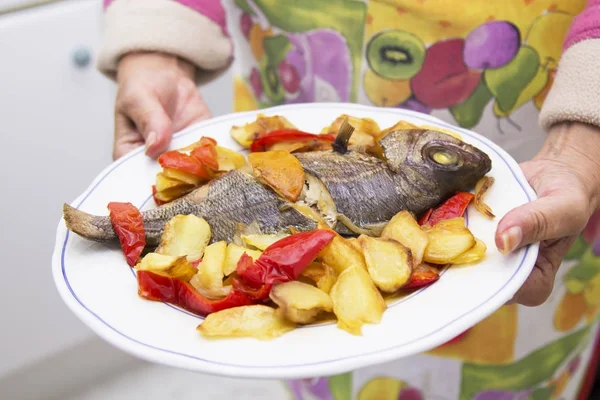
<point x="56" y="124"/>
<point x="56" y="121"/>
<point x="12" y="5"/>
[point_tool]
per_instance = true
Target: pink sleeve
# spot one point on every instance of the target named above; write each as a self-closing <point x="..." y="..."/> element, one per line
<point x="195" y="30"/>
<point x="212" y="9"/>
<point x="585" y="26"/>
<point x="573" y="96"/>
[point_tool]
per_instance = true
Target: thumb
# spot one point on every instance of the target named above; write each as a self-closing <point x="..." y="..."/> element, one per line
<point x="551" y="217"/>
<point x="153" y="123"/>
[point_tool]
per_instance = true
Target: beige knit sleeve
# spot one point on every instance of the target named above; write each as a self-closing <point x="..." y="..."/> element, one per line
<point x="575" y="94"/>
<point x="165" y="26"/>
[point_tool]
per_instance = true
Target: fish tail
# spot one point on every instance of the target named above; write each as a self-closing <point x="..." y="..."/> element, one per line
<point x="89" y="226"/>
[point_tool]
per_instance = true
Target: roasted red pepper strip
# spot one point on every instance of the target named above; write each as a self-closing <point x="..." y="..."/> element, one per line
<point x="425" y="217"/>
<point x="196" y="263"/>
<point x="206" y="153"/>
<point x="202" y="142"/>
<point x="156" y="200"/>
<point x="242" y="286"/>
<point x="156" y="287"/>
<point x="282" y="261"/>
<point x="286" y="135"/>
<point x="128" y="224"/>
<point x="454" y="207"/>
<point x="423" y="275"/>
<point x="183" y="162"/>
<point x="206" y="140"/>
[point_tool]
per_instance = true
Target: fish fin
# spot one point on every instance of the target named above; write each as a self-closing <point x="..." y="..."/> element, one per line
<point x="245" y="229"/>
<point x="369" y="230"/>
<point x="342" y="139"/>
<point x="376" y="229"/>
<point x="89" y="226"/>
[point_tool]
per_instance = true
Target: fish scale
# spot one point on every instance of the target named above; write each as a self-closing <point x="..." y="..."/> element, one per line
<point x="366" y="194"/>
<point x="239" y="198"/>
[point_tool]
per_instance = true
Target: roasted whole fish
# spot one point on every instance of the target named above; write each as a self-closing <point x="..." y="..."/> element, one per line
<point x="353" y="192"/>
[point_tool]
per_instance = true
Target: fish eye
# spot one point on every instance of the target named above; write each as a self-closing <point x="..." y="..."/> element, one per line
<point x="444" y="157"/>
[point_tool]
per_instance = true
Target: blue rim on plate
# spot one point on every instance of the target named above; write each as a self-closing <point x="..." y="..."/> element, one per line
<point x="243" y="370"/>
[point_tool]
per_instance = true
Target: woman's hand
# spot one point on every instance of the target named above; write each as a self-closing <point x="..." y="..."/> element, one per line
<point x="566" y="177"/>
<point x="157" y="96"/>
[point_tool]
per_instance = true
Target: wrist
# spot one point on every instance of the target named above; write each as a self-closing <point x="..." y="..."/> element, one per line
<point x="576" y="146"/>
<point x="155" y="60"/>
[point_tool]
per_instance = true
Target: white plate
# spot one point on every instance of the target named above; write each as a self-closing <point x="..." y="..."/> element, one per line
<point x="98" y="286"/>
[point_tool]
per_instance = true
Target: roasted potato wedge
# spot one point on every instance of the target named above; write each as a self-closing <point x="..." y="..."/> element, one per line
<point x="211" y="293"/>
<point x="448" y="239"/>
<point x="228" y="159"/>
<point x="322" y="274"/>
<point x="309" y="145"/>
<point x="364" y="125"/>
<point x="248" y="133"/>
<point x="400" y="126"/>
<point x="280" y="170"/>
<point x="182" y="176"/>
<point x="288" y="147"/>
<point x="340" y="255"/>
<point x="233" y="255"/>
<point x="204" y="140"/>
<point x="326" y="282"/>
<point x="164" y="182"/>
<point x="299" y="302"/>
<point x="356" y="300"/>
<point x="261" y="242"/>
<point x="314" y="271"/>
<point x="256" y="321"/>
<point x="173" y="193"/>
<point x="442" y="130"/>
<point x="362" y="140"/>
<point x="354" y="243"/>
<point x="244" y="135"/>
<point x="209" y="279"/>
<point x="474" y="254"/>
<point x="405" y="229"/>
<point x="365" y="131"/>
<point x="171" y="266"/>
<point x="389" y="263"/>
<point x="185" y="235"/>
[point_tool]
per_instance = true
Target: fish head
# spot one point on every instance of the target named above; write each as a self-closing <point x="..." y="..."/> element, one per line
<point x="436" y="156"/>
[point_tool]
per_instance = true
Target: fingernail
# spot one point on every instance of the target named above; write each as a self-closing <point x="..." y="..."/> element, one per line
<point x="511" y="238"/>
<point x="150" y="140"/>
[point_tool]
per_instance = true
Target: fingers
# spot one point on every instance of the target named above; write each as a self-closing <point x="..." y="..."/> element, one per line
<point x="148" y="120"/>
<point x="191" y="107"/>
<point x="540" y="283"/>
<point x="126" y="136"/>
<point x="157" y="96"/>
<point x="536" y="289"/>
<point x="554" y="216"/>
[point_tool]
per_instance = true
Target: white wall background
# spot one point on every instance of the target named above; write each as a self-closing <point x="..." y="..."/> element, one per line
<point x="56" y="126"/>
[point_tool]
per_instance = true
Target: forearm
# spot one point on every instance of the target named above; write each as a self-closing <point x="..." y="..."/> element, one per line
<point x="193" y="30"/>
<point x="574" y="94"/>
<point x="576" y="146"/>
<point x="129" y="63"/>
